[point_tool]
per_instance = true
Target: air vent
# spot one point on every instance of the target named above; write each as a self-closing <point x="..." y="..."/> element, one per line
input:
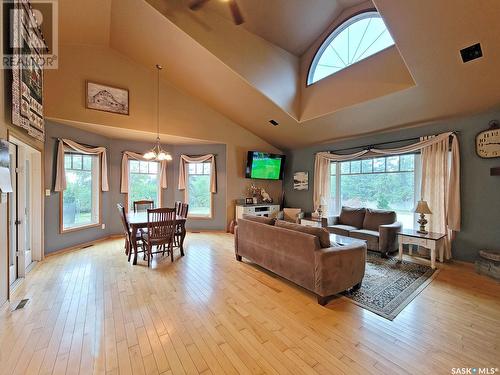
<point x="21" y="304"/>
<point x="471" y="53"/>
<point x="274" y="122"/>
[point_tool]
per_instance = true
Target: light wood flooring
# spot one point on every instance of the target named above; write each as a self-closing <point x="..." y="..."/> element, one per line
<point x="91" y="312"/>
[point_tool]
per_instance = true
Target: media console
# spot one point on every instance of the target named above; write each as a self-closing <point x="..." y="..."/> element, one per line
<point x="267" y="210"/>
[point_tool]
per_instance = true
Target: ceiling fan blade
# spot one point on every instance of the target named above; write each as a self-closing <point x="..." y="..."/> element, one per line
<point x="235" y="12"/>
<point x="197" y="4"/>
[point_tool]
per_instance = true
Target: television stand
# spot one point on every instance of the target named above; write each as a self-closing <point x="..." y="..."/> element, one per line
<point x="260" y="209"/>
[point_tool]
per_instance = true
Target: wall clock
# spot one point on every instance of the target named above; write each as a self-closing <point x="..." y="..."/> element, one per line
<point x="488" y="142"/>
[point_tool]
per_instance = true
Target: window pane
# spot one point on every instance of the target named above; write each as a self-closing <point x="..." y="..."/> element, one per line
<point x="199" y="195"/>
<point x="134" y="166"/>
<point x="67" y="161"/>
<point x="199" y="168"/>
<point x="206" y="168"/>
<point x="356" y="166"/>
<point x="77" y="161"/>
<point x="333" y="168"/>
<point x="143" y="166"/>
<point x="344" y="167"/>
<point x="393" y="164"/>
<point x="407" y="162"/>
<point x="379" y="165"/>
<point x="143" y="186"/>
<point x="87" y="162"/>
<point x="192" y="168"/>
<point x="153" y="167"/>
<point x="367" y="166"/>
<point x="81" y="197"/>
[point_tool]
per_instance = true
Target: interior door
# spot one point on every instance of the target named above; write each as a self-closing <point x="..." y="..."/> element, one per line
<point x="27" y="213"/>
<point x="13" y="217"/>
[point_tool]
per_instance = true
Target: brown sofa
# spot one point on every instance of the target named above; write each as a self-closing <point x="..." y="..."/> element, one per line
<point x="301" y="254"/>
<point x="378" y="228"/>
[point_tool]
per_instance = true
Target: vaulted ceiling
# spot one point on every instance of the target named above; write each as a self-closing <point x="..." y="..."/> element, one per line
<point x="256" y="72"/>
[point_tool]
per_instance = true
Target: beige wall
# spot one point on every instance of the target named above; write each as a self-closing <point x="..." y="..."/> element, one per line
<point x="376" y="76"/>
<point x="180" y="114"/>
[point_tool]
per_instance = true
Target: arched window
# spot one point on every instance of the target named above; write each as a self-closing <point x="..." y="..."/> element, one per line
<point x="357" y="38"/>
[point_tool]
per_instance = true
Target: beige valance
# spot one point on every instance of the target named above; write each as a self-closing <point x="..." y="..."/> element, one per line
<point x="135" y="156"/>
<point x="67" y="144"/>
<point x="185" y="159"/>
<point x="440" y="176"/>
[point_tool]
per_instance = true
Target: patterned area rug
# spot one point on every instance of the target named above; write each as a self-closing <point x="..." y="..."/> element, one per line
<point x="388" y="285"/>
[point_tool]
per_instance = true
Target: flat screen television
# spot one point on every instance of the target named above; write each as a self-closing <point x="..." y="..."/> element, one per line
<point x="264" y="166"/>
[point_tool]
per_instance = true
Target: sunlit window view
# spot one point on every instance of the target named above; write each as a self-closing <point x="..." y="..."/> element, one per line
<point x="198" y="192"/>
<point x="81" y="197"/>
<point x="144" y="182"/>
<point x="386" y="183"/>
<point x="357" y="38"/>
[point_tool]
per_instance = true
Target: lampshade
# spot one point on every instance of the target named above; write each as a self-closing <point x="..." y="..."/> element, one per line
<point x="423" y="208"/>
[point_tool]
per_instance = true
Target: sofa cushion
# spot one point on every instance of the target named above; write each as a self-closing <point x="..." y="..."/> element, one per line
<point x="370" y="236"/>
<point x="352" y="216"/>
<point x="342" y="230"/>
<point x="322" y="234"/>
<point x="375" y="218"/>
<point x="260" y="219"/>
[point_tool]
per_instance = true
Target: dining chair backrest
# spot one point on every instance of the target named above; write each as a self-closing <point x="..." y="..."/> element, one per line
<point x="161" y="223"/>
<point x="183" y="212"/>
<point x="143" y="205"/>
<point x="123" y="217"/>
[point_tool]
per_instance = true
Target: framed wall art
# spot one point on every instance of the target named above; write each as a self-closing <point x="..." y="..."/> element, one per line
<point x="107" y="98"/>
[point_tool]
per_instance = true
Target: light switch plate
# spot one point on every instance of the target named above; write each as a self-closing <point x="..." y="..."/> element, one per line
<point x="47" y="192"/>
<point x="103" y="226"/>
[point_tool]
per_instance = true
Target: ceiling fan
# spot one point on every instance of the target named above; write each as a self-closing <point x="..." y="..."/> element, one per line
<point x="233" y="7"/>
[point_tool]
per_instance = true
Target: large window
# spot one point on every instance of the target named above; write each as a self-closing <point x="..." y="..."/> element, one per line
<point x="198" y="193"/>
<point x="80" y="200"/>
<point x="357" y="38"/>
<point x="388" y="183"/>
<point x="144" y="182"/>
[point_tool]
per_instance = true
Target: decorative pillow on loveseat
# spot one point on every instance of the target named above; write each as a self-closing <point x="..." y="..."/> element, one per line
<point x="260" y="219"/>
<point x="375" y="218"/>
<point x="322" y="234"/>
<point x="352" y="216"/>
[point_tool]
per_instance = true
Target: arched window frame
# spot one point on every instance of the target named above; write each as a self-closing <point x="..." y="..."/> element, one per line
<point x="333" y="34"/>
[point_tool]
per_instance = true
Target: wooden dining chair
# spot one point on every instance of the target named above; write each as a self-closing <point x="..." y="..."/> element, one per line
<point x="143" y="205"/>
<point x="128" y="233"/>
<point x="160" y="232"/>
<point x="182" y="212"/>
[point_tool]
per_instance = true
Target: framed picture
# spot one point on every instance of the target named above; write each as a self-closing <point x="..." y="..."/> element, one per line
<point x="107" y="98"/>
<point x="248" y="200"/>
<point x="301" y="181"/>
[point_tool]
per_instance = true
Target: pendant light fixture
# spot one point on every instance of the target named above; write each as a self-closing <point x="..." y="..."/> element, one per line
<point x="157" y="153"/>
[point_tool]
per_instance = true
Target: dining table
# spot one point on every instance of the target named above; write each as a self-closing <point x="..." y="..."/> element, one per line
<point x="139" y="220"/>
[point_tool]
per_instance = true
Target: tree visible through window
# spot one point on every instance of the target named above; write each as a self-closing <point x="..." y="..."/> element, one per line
<point x="144" y="182"/>
<point x="357" y="38"/>
<point x="387" y="183"/>
<point x="80" y="200"/>
<point x="198" y="193"/>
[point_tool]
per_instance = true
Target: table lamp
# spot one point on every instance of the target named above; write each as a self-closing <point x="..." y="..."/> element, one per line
<point x="422" y="209"/>
<point x="322" y="204"/>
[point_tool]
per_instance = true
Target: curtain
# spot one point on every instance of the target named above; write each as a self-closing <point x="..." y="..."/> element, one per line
<point x="185" y="159"/>
<point x="125" y="170"/>
<point x="65" y="145"/>
<point x="440" y="178"/>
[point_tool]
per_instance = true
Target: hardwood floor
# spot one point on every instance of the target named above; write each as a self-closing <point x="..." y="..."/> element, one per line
<point x="91" y="312"/>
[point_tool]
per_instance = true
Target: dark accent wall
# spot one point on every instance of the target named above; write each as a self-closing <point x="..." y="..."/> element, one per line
<point x="56" y="241"/>
<point x="480" y="192"/>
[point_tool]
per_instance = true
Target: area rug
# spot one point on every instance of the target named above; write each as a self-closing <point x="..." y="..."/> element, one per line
<point x="389" y="285"/>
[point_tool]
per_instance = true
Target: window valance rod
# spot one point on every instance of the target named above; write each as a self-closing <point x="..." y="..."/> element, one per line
<point x="83" y="144"/>
<point x="373" y="145"/>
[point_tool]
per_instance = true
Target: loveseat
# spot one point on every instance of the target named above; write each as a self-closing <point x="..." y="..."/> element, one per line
<point x="303" y="255"/>
<point x="377" y="227"/>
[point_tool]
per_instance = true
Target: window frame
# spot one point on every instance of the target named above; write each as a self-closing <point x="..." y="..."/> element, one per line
<point x="160" y="190"/>
<point x="186" y="193"/>
<point x="417" y="173"/>
<point x="331" y="36"/>
<point x="97" y="174"/>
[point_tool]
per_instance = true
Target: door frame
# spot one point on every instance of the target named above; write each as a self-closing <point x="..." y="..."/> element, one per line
<point x="34" y="151"/>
